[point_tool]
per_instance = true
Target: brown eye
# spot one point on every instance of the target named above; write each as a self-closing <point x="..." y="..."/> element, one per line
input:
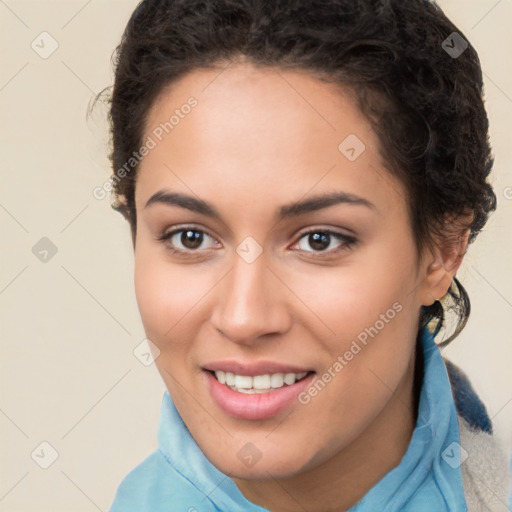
<point x="191" y="239"/>
<point x="187" y="239"/>
<point x="320" y="240"/>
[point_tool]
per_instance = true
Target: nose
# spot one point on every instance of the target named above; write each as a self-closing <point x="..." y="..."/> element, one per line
<point x="251" y="303"/>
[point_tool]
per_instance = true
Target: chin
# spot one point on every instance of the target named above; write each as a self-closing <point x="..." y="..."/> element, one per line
<point x="262" y="465"/>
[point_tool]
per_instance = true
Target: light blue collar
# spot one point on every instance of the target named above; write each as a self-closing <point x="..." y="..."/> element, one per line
<point x="433" y="451"/>
<point x="182" y="452"/>
<point x="428" y="471"/>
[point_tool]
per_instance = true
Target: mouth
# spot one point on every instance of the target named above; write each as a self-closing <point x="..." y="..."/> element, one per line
<point x="256" y="393"/>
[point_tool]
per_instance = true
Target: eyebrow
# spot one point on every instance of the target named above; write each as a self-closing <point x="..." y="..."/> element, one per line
<point x="293" y="209"/>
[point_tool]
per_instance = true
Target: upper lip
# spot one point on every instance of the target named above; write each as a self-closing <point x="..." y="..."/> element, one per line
<point x="255" y="368"/>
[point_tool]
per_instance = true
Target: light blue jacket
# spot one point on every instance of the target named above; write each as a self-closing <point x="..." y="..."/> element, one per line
<point x="177" y="477"/>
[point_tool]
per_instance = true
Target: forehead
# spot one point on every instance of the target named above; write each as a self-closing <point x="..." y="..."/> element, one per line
<point x="264" y="130"/>
<point x="256" y="103"/>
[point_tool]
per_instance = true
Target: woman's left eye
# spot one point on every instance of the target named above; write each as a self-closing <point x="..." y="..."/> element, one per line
<point x="320" y="240"/>
<point x="191" y="239"/>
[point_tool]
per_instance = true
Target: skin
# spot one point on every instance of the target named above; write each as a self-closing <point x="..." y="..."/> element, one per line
<point x="260" y="138"/>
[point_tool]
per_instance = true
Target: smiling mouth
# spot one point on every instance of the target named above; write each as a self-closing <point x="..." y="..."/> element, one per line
<point x="258" y="384"/>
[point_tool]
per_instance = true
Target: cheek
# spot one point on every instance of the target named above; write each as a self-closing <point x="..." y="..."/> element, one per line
<point x="167" y="295"/>
<point x="148" y="292"/>
<point x="158" y="292"/>
<point x="347" y="300"/>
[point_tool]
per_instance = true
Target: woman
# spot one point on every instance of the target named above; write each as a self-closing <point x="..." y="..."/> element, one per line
<point x="302" y="181"/>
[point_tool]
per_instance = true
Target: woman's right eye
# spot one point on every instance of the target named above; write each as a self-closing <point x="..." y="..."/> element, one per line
<point x="189" y="238"/>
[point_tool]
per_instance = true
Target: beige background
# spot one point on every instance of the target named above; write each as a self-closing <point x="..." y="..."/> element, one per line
<point x="68" y="375"/>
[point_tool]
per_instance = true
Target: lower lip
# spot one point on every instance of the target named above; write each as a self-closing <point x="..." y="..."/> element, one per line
<point x="258" y="406"/>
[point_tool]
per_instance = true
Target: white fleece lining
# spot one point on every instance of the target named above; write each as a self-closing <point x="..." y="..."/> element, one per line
<point x="486" y="476"/>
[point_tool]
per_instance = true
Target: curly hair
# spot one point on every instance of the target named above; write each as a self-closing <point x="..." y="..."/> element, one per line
<point x="425" y="105"/>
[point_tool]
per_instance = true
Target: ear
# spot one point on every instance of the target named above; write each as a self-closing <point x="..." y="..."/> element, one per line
<point x="129" y="214"/>
<point x="441" y="267"/>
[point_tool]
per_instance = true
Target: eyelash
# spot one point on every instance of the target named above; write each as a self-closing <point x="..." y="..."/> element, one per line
<point x="349" y="241"/>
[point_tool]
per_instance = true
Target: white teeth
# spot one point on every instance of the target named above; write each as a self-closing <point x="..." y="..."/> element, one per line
<point x="277" y="380"/>
<point x="258" y="383"/>
<point x="251" y="391"/>
<point x="261" y="382"/>
<point x="289" y="378"/>
<point x="243" y="381"/>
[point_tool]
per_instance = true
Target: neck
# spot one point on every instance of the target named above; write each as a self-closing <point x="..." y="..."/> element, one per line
<point x="343" y="480"/>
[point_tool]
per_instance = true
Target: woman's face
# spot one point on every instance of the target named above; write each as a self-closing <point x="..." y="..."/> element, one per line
<point x="314" y="332"/>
